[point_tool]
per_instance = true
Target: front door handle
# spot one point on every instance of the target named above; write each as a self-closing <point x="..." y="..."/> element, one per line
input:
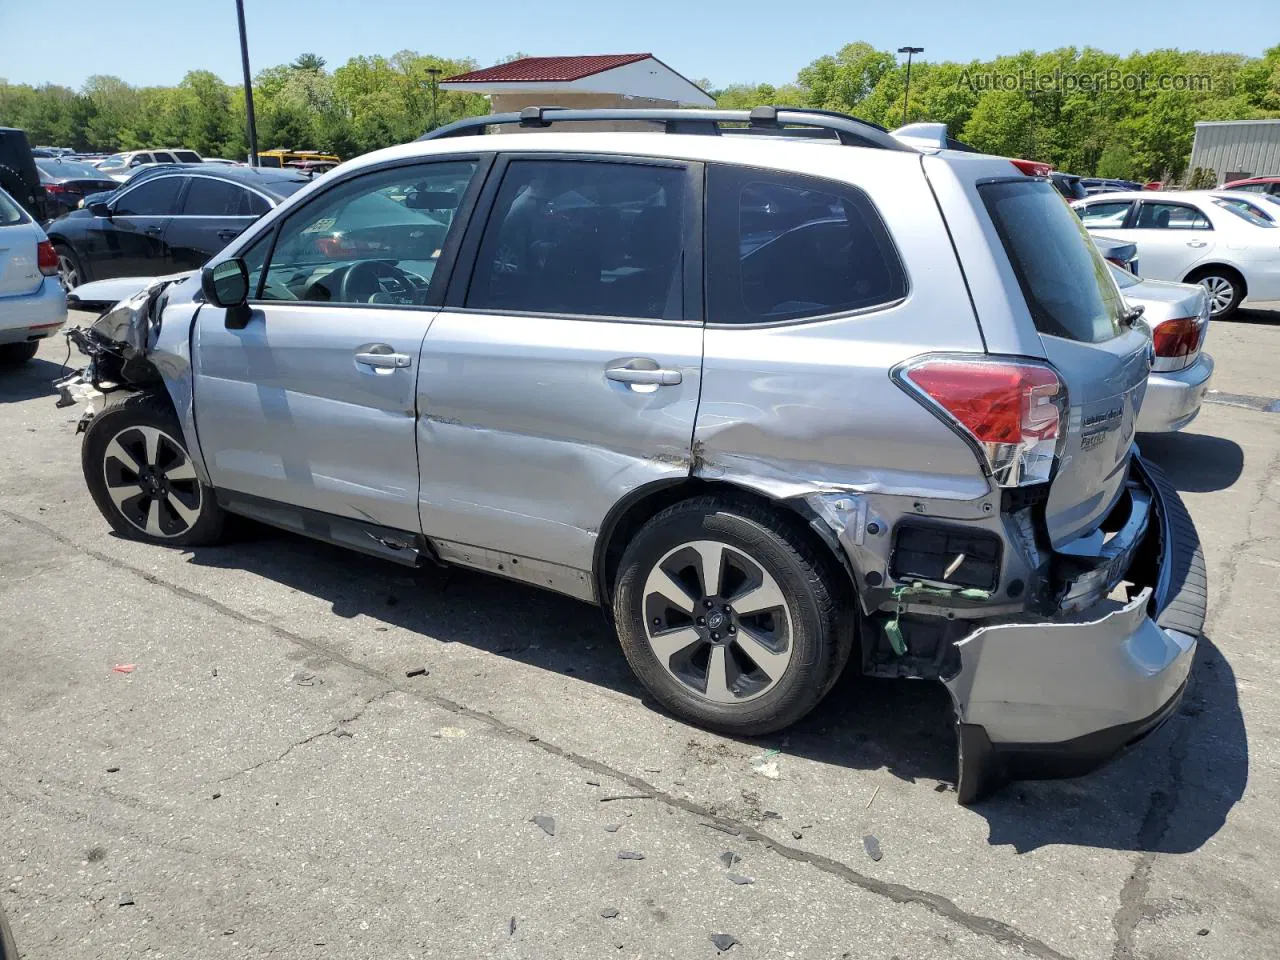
<point x="153" y="231"/>
<point x="229" y="234"/>
<point x="646" y="374"/>
<point x="1196" y="243"/>
<point x="385" y="361"/>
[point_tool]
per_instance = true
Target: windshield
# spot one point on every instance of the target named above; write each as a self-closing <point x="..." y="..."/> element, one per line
<point x="1063" y="277"/>
<point x="10" y="212"/>
<point x="63" y="169"/>
<point x="1243" y="210"/>
<point x="113" y="162"/>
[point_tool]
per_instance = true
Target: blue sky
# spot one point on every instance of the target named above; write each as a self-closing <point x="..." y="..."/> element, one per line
<point x="157" y="41"/>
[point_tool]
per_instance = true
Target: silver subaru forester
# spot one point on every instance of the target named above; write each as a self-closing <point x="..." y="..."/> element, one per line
<point x="775" y="389"/>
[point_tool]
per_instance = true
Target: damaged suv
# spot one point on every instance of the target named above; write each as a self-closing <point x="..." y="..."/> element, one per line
<point x="773" y="388"/>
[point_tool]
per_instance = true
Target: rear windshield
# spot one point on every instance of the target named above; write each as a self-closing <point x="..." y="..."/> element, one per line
<point x="63" y="169"/>
<point x="10" y="212"/>
<point x="1243" y="211"/>
<point x="1063" y="277"/>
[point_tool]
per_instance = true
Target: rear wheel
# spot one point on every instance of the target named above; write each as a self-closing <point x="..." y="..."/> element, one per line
<point x="16" y="353"/>
<point x="727" y="617"/>
<point x="69" y="270"/>
<point x="1225" y="290"/>
<point x="142" y="478"/>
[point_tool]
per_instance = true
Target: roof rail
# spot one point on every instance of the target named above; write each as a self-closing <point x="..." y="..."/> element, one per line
<point x="773" y="121"/>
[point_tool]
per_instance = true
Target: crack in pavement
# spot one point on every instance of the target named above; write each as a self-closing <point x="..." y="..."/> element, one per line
<point x="342" y="722"/>
<point x="897" y="893"/>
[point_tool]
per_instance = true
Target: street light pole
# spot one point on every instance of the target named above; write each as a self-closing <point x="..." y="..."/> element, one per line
<point x="434" y="74"/>
<point x="248" y="87"/>
<point x="906" y="95"/>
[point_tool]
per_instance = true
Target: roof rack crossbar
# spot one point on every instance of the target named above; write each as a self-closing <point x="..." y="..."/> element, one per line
<point x="763" y="120"/>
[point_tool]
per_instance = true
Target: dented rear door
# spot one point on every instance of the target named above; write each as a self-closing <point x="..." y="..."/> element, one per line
<point x="564" y="370"/>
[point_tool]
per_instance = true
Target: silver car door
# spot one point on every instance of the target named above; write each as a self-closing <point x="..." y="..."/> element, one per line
<point x="1171" y="237"/>
<point x="312" y="401"/>
<point x="565" y="374"/>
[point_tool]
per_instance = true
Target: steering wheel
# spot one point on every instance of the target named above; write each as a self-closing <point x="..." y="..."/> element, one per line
<point x="366" y="279"/>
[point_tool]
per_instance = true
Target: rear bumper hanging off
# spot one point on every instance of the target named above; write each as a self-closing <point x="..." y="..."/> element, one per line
<point x="1059" y="697"/>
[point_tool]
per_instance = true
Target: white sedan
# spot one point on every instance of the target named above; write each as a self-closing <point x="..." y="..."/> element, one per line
<point x="1193" y="237"/>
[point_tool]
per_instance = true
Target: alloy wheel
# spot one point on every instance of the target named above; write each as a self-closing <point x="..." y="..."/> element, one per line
<point x="152" y="482"/>
<point x="1221" y="292"/>
<point x="67" y="272"/>
<point x="717" y="621"/>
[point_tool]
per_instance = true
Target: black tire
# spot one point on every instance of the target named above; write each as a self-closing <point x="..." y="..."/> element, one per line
<point x="68" y="262"/>
<point x="186" y="514"/>
<point x="1216" y="281"/>
<point x="15" y="353"/>
<point x="819" y="639"/>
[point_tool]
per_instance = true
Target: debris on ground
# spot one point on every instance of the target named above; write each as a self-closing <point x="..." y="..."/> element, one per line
<point x="126" y="900"/>
<point x="416" y="672"/>
<point x="124" y="668"/>
<point x="612" y="827"/>
<point x="593" y="783"/>
<point x="217" y="796"/>
<point x="627" y="796"/>
<point x="609" y="912"/>
<point x="797" y="835"/>
<point x="450" y="733"/>
<point x="729" y="858"/>
<point x="546" y="823"/>
<point x="511" y="929"/>
<point x="874" y="793"/>
<point x="630" y="855"/>
<point x="767" y="765"/>
<point x="739" y="879"/>
<point x="772" y="815"/>
<point x="113" y="769"/>
<point x="304" y="679"/>
<point x="1202" y="932"/>
<point x="872" y="846"/>
<point x="723" y="941"/>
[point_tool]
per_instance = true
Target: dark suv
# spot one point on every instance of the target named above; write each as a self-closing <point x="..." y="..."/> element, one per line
<point x="18" y="174"/>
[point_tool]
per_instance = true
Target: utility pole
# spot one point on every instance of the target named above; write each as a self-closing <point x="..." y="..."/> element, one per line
<point x="248" y="87"/>
<point x="906" y="96"/>
<point x="434" y="74"/>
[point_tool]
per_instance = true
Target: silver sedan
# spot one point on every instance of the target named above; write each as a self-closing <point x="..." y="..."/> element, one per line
<point x="1177" y="314"/>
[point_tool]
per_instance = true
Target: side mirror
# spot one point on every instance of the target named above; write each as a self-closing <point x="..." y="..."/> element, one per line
<point x="226" y="285"/>
<point x="100" y="209"/>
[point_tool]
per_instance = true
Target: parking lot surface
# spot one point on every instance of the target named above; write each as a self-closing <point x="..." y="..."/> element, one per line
<point x="269" y="780"/>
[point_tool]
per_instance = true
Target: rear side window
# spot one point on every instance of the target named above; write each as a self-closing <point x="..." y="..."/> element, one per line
<point x="786" y="247"/>
<point x="586" y="238"/>
<point x="186" y="156"/>
<point x="151" y="198"/>
<point x="1106" y="214"/>
<point x="1170" y="216"/>
<point x="10" y="212"/>
<point x="1063" y="277"/>
<point x="216" y="198"/>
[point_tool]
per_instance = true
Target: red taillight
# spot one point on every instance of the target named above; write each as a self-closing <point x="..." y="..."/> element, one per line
<point x="1012" y="409"/>
<point x="1177" y="338"/>
<point x="1033" y="168"/>
<point x="47" y="258"/>
<point x="53" y="189"/>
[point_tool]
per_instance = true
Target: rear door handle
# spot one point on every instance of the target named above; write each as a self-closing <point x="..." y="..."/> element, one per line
<point x="385" y="361"/>
<point x="229" y="234"/>
<point x="1196" y="243"/>
<point x="154" y="231"/>
<point x="655" y="375"/>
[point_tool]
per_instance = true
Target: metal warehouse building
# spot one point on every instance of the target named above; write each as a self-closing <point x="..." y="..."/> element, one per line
<point x="1237" y="149"/>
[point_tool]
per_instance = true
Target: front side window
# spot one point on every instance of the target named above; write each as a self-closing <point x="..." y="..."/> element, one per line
<point x="374" y="239"/>
<point x="1063" y="278"/>
<point x="1106" y="214"/>
<point x="587" y="238"/>
<point x="1170" y="216"/>
<point x="151" y="198"/>
<point x="785" y="247"/>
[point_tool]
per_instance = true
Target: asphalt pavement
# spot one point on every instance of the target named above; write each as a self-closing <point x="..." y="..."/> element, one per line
<point x="233" y="752"/>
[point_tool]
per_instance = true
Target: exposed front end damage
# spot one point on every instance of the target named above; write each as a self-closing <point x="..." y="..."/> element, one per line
<point x="1050" y="674"/>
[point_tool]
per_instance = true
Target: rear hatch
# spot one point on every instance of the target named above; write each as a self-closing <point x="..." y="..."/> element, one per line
<point x="19" y="268"/>
<point x="1100" y="352"/>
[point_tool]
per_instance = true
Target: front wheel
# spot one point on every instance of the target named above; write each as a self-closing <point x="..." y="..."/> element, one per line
<point x="728" y="618"/>
<point x="1224" y="289"/>
<point x="142" y="478"/>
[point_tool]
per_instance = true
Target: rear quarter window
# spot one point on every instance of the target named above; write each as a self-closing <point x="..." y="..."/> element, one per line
<point x="10" y="213"/>
<point x="783" y="247"/>
<point x="1063" y="278"/>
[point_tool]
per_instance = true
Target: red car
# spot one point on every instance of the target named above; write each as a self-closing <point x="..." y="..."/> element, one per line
<point x="1269" y="185"/>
